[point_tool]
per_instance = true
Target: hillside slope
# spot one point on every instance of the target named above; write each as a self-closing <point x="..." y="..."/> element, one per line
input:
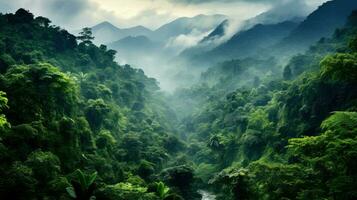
<point x="245" y="43"/>
<point x="186" y="25"/>
<point x="73" y="122"/>
<point x="320" y="23"/>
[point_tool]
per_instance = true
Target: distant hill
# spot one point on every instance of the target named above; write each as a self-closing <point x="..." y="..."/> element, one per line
<point x="151" y="47"/>
<point x="134" y="43"/>
<point x="106" y="32"/>
<point x="185" y="25"/>
<point x="320" y="23"/>
<point x="208" y="42"/>
<point x="284" y="38"/>
<point x="139" y="51"/>
<point x="249" y="42"/>
<point x="281" y="12"/>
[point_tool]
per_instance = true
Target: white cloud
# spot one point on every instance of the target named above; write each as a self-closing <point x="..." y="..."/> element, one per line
<point x="182" y="41"/>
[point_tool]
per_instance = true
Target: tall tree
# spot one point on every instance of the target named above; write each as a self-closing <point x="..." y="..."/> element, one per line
<point x="85" y="36"/>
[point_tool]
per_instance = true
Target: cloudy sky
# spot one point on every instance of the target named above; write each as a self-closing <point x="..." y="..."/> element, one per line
<point x="74" y="14"/>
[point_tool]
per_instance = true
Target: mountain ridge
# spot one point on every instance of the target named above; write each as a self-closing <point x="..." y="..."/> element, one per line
<point x="105" y="32"/>
<point x="320" y="23"/>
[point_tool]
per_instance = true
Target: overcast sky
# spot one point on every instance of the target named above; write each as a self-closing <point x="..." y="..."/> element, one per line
<point x="75" y="14"/>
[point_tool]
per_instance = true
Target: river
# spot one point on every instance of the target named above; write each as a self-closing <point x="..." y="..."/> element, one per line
<point x="206" y="195"/>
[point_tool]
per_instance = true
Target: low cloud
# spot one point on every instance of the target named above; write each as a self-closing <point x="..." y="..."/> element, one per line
<point x="182" y="41"/>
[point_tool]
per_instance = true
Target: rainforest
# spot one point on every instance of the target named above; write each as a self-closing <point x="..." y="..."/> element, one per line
<point x="204" y="107"/>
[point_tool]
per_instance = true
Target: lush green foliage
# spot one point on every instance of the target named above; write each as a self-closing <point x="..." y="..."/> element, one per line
<point x="65" y="106"/>
<point x="288" y="137"/>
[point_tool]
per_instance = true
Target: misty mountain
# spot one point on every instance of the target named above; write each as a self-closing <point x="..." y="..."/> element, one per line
<point x="153" y="51"/>
<point x="208" y="42"/>
<point x="218" y="32"/>
<point x="286" y="11"/>
<point x="170" y="37"/>
<point x="249" y="42"/>
<point x="186" y="25"/>
<point x="106" y="32"/>
<point x="285" y="38"/>
<point x="131" y="42"/>
<point x="130" y="46"/>
<point x="320" y="23"/>
<point x="141" y="52"/>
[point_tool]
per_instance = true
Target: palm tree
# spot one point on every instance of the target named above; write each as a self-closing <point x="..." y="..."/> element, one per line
<point x="162" y="190"/>
<point x="82" y="188"/>
<point x="82" y="77"/>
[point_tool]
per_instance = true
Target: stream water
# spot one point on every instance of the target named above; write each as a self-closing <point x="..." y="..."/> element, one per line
<point x="206" y="195"/>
